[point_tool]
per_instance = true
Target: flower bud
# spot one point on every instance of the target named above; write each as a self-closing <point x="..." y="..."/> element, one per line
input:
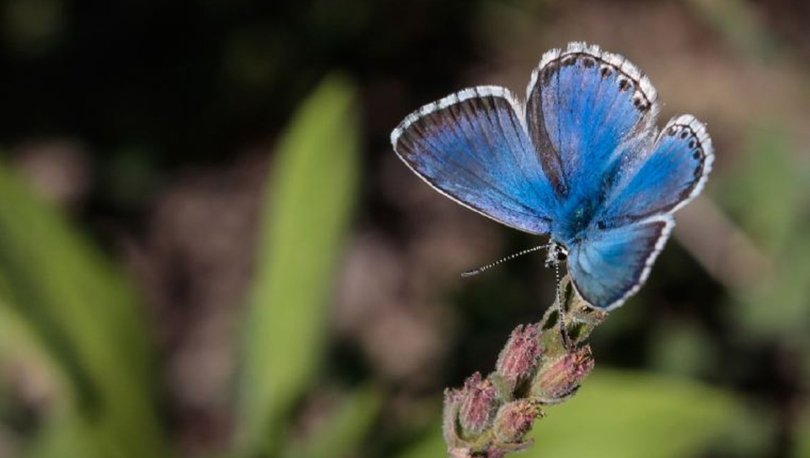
<point x="452" y="405"/>
<point x="514" y="420"/>
<point x="478" y="405"/>
<point x="559" y="378"/>
<point x="460" y="452"/>
<point x="519" y="357"/>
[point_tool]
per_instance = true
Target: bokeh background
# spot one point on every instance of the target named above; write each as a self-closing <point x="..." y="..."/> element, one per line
<point x="209" y="249"/>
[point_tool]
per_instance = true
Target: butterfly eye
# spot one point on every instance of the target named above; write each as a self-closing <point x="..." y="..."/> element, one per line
<point x="562" y="255"/>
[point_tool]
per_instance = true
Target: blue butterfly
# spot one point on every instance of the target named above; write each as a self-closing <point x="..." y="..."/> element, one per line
<point x="581" y="161"/>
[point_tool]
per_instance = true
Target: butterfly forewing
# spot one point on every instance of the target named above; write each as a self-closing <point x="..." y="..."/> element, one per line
<point x="582" y="104"/>
<point x="473" y="147"/>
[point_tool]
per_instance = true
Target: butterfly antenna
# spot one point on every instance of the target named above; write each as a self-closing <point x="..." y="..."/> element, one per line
<point x="474" y="272"/>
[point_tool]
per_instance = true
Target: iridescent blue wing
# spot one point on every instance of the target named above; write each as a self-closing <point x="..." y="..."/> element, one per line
<point x="669" y="176"/>
<point x="610" y="265"/>
<point x="472" y="146"/>
<point x="582" y="104"/>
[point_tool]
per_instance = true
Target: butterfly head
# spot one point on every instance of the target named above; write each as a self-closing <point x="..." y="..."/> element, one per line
<point x="556" y="254"/>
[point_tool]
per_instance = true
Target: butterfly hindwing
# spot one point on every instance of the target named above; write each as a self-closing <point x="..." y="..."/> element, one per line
<point x="473" y="147"/>
<point x="582" y="104"/>
<point x="611" y="265"/>
<point x="673" y="172"/>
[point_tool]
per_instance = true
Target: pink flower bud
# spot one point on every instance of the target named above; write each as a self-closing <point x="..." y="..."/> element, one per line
<point x="452" y="405"/>
<point x="514" y="420"/>
<point x="478" y="405"/>
<point x="460" y="452"/>
<point x="557" y="379"/>
<point x="519" y="357"/>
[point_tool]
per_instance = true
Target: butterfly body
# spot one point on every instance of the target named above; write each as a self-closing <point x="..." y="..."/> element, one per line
<point x="574" y="219"/>
<point x="580" y="161"/>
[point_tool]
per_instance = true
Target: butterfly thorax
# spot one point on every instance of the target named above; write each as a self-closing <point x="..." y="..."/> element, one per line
<point x="575" y="217"/>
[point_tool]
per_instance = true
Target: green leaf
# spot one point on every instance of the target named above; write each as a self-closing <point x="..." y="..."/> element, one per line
<point x="741" y="24"/>
<point x="85" y="317"/>
<point x="767" y="186"/>
<point x="803" y="439"/>
<point x="681" y="348"/>
<point x="23" y="352"/>
<point x="306" y="214"/>
<point x="635" y="415"/>
<point x="431" y="446"/>
<point x="618" y="414"/>
<point x="343" y="431"/>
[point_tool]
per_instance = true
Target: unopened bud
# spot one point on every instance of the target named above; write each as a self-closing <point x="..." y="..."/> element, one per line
<point x="452" y="405"/>
<point x="560" y="378"/>
<point x="519" y="357"/>
<point x="514" y="420"/>
<point x="478" y="405"/>
<point x="459" y="452"/>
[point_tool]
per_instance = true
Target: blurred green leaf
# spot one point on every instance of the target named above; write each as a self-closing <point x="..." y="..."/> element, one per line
<point x="766" y="193"/>
<point x="740" y="22"/>
<point x="343" y="431"/>
<point x="307" y="209"/>
<point x="765" y="187"/>
<point x="85" y="316"/>
<point x="803" y="439"/>
<point x="32" y="27"/>
<point x="681" y="348"/>
<point x="617" y="414"/>
<point x="636" y="415"/>
<point x="24" y="359"/>
<point x="430" y="446"/>
<point x="750" y="434"/>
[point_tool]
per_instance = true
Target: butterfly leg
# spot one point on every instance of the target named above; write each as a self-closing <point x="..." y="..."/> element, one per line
<point x="555" y="255"/>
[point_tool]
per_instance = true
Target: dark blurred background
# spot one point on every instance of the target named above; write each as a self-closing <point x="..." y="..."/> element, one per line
<point x="209" y="249"/>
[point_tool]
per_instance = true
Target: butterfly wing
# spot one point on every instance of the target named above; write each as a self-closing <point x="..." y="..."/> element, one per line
<point x="590" y="115"/>
<point x="673" y="173"/>
<point x="582" y="105"/>
<point x="610" y="265"/>
<point x="472" y="146"/>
